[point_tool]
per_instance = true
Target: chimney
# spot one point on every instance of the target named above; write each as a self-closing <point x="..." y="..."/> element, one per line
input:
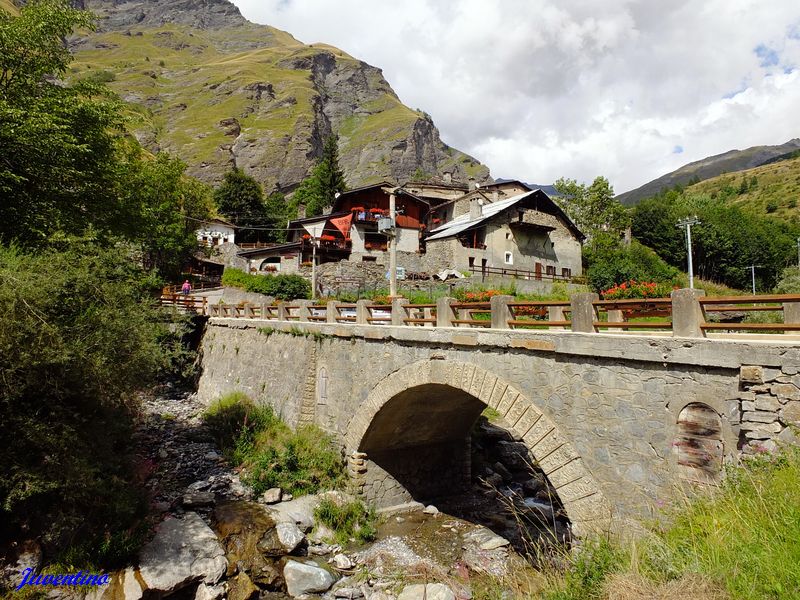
<point x="301" y="211"/>
<point x="475" y="208"/>
<point x="448" y="177"/>
<point x="495" y="195"/>
<point x="471" y="183"/>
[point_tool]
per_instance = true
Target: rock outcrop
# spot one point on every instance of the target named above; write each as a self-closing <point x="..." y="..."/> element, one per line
<point x="220" y="92"/>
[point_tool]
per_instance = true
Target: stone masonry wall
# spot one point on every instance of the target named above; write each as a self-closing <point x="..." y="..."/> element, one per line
<point x="615" y="399"/>
<point x="769" y="404"/>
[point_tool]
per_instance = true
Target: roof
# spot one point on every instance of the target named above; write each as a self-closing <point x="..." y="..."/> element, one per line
<point x="380" y="184"/>
<point x="317" y="218"/>
<point x="464" y="222"/>
<point x="218" y="220"/>
<point x="270" y="250"/>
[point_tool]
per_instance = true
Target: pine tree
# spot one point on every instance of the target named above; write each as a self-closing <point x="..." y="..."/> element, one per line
<point x="319" y="189"/>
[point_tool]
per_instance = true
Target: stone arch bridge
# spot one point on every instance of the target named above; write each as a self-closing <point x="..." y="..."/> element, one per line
<point x="614" y="421"/>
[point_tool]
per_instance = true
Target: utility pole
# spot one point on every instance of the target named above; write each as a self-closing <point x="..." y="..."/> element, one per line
<point x="313" y="268"/>
<point x="393" y="244"/>
<point x="687" y="223"/>
<point x="753" y="276"/>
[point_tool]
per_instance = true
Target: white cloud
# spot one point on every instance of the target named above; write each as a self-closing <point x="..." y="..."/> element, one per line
<point x="539" y="89"/>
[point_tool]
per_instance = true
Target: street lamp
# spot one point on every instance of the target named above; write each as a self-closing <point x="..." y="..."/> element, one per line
<point x="687" y="223"/>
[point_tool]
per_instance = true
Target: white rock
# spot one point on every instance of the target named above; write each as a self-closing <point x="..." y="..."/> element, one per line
<point x="485" y="539"/>
<point x="289" y="536"/>
<point x="340" y="561"/>
<point x="431" y="591"/>
<point x="271" y="496"/>
<point x="431" y="510"/>
<point x="182" y="552"/>
<point x="209" y="592"/>
<point x="303" y="578"/>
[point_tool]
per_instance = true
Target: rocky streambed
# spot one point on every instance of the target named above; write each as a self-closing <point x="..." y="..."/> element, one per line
<point x="214" y="539"/>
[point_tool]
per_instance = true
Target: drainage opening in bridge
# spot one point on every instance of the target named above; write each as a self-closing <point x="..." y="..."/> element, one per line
<point x="434" y="444"/>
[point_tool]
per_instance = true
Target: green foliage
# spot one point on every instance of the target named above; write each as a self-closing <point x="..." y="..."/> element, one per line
<point x="593" y="562"/>
<point x="241" y="200"/>
<point x="593" y="209"/>
<point x="282" y="287"/>
<point x="171" y="207"/>
<point x="278" y="213"/>
<point x="610" y="263"/>
<point x="725" y="243"/>
<point x="350" y="520"/>
<point x="742" y="537"/>
<point x="790" y="281"/>
<point x="756" y="509"/>
<point x="234" y="415"/>
<point x="301" y="462"/>
<point x="326" y="179"/>
<point x="84" y="335"/>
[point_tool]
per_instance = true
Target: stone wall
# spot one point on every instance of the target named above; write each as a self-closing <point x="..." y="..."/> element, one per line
<point x="769" y="405"/>
<point x="598" y="411"/>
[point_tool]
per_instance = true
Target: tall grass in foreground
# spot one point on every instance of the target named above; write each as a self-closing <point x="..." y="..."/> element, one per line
<point x="741" y="541"/>
<point x="271" y="454"/>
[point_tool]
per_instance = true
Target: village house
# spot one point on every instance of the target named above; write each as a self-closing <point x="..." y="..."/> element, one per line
<point x="524" y="235"/>
<point x="504" y="228"/>
<point x="214" y="232"/>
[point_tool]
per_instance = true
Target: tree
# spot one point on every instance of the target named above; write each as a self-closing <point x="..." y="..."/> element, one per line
<point x="172" y="205"/>
<point x="593" y="209"/>
<point x="279" y="212"/>
<point x="241" y="200"/>
<point x="61" y="144"/>
<point x="327" y="178"/>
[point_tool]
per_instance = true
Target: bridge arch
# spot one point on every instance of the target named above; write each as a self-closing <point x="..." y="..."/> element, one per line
<point x="433" y="398"/>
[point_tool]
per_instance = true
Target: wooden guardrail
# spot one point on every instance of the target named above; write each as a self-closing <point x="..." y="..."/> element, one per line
<point x="684" y="314"/>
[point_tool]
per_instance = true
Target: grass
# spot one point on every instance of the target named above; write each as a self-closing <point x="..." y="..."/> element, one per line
<point x="741" y="541"/>
<point x="271" y="454"/>
<point x="769" y="189"/>
<point x="350" y="520"/>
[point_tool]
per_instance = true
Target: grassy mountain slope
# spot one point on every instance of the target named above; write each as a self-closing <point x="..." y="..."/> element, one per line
<point x="769" y="189"/>
<point x="728" y="162"/>
<point x="232" y="93"/>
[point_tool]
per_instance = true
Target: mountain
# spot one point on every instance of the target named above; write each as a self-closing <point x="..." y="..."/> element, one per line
<point x="728" y="162"/>
<point x="771" y="189"/>
<point x="218" y="91"/>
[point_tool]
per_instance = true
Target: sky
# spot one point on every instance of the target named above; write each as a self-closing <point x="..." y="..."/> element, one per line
<point x="542" y="89"/>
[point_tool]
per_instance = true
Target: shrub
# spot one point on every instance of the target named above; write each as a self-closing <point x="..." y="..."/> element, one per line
<point x="254" y="437"/>
<point x="79" y="335"/>
<point x="637" y="289"/>
<point x="610" y="263"/>
<point x="283" y="287"/>
<point x="349" y="520"/>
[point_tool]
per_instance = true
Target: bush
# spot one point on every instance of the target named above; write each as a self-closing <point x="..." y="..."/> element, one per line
<point x="611" y="263"/>
<point x="271" y="454"/>
<point x="80" y="334"/>
<point x="349" y="520"/>
<point x="283" y="287"/>
<point x="637" y="289"/>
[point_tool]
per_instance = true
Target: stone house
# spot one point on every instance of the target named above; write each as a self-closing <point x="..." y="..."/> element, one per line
<point x="526" y="235"/>
<point x="503" y="228"/>
<point x="215" y="232"/>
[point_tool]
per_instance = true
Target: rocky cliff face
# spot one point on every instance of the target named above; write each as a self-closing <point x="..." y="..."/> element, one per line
<point x="220" y="92"/>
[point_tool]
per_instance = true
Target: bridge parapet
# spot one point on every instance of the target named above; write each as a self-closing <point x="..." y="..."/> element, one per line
<point x="686" y="314"/>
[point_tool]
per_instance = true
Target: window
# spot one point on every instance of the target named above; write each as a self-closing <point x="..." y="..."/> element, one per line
<point x="369" y="258"/>
<point x="509" y="258"/>
<point x="508" y="236"/>
<point x="471" y="261"/>
<point x="566" y="273"/>
<point x="551" y="270"/>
